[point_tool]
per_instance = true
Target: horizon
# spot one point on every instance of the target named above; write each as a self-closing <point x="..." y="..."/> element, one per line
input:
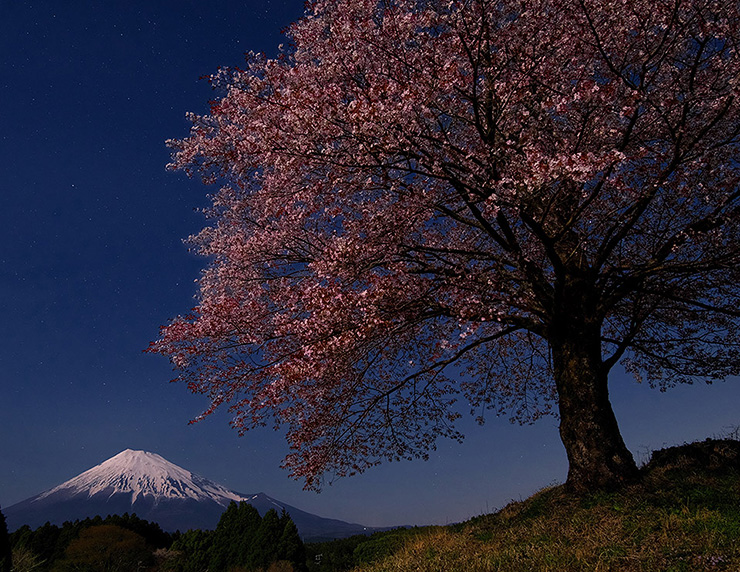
<point x="94" y="263"/>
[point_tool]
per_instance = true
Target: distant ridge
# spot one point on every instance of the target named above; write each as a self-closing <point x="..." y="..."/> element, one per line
<point x="159" y="491"/>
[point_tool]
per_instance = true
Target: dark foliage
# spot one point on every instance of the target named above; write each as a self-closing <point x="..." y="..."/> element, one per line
<point x="347" y="553"/>
<point x="242" y="539"/>
<point x="719" y="455"/>
<point x="290" y="546"/>
<point x="48" y="543"/>
<point x="333" y="555"/>
<point x="6" y="554"/>
<point x="106" y="548"/>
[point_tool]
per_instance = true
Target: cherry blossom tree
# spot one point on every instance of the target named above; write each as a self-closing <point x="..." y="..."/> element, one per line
<point x="425" y="203"/>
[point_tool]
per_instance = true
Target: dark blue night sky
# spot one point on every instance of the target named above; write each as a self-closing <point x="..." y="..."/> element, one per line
<point x="92" y="263"/>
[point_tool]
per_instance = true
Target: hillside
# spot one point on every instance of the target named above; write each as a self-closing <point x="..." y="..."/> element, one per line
<point x="683" y="516"/>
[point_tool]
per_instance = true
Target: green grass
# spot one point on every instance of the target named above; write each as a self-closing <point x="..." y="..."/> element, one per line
<point x="683" y="516"/>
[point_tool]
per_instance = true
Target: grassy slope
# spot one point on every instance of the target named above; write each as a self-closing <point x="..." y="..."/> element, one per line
<point x="683" y="516"/>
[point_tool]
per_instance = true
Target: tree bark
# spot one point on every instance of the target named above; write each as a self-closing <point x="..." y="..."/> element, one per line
<point x="597" y="456"/>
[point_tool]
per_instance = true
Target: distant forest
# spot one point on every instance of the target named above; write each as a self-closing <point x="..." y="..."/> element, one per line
<point x="243" y="541"/>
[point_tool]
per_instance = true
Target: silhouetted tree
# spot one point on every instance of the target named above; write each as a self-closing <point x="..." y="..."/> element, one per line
<point x="266" y="540"/>
<point x="291" y="547"/>
<point x="6" y="553"/>
<point x="234" y="537"/>
<point x="195" y="548"/>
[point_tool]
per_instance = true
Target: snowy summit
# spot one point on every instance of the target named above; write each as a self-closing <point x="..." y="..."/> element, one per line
<point x="145" y="474"/>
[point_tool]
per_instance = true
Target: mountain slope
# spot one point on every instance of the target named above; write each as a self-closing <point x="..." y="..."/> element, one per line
<point x="159" y="491"/>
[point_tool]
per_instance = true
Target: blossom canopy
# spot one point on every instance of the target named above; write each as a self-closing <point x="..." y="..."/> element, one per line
<point x="423" y="200"/>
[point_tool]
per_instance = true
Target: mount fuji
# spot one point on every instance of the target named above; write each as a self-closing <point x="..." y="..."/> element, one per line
<point x="159" y="491"/>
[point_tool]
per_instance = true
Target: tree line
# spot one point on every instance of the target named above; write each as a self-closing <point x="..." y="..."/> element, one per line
<point x="242" y="541"/>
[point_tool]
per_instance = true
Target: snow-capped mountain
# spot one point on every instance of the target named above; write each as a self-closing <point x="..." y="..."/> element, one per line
<point x="143" y="474"/>
<point x="156" y="490"/>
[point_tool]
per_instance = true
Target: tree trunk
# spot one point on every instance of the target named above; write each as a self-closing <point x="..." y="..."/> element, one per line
<point x="597" y="455"/>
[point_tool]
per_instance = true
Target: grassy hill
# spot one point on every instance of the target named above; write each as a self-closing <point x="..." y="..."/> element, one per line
<point x="683" y="516"/>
